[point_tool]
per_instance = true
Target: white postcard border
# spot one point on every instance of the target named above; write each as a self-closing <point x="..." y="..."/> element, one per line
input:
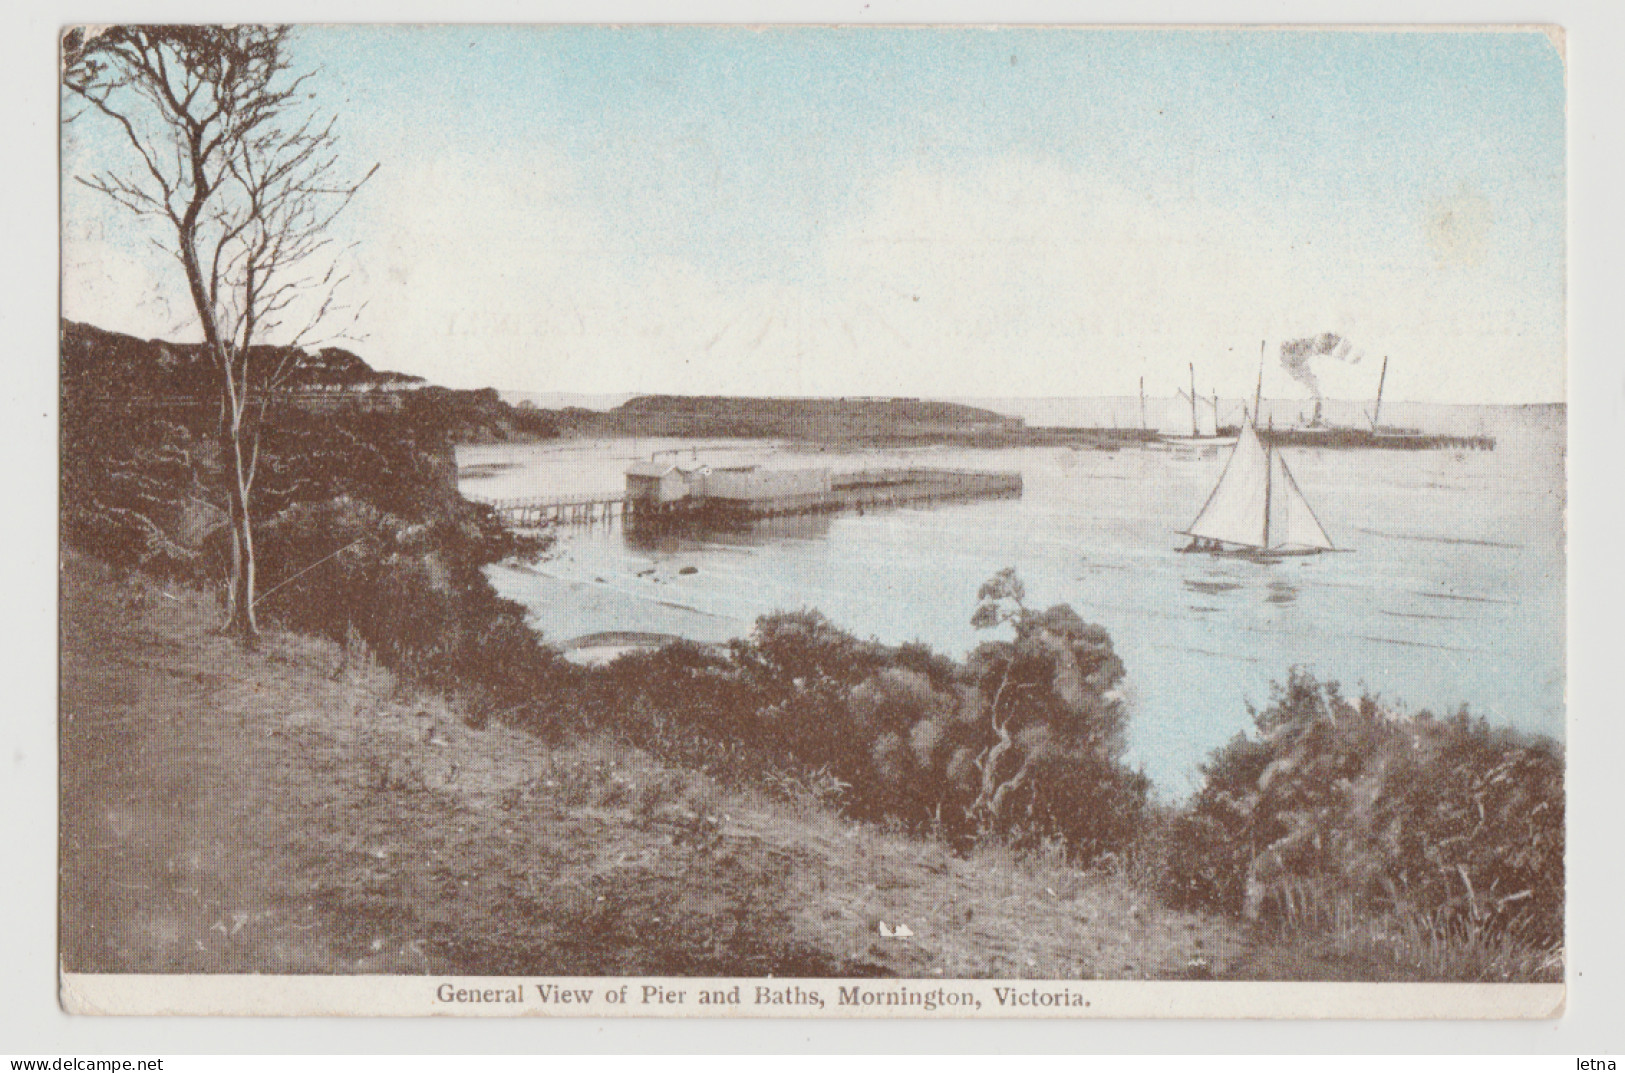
<point x="1588" y="1022"/>
<point x="768" y="997"/>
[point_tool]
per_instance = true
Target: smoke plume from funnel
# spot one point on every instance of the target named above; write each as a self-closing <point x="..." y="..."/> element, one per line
<point x="1295" y="355"/>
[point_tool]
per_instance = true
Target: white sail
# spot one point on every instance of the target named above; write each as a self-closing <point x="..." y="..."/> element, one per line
<point x="1207" y="423"/>
<point x="1293" y="524"/>
<point x="1237" y="511"/>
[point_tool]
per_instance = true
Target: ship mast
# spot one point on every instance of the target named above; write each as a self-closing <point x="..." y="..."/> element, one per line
<point x="1142" y="404"/>
<point x="1376" y="414"/>
<point x="1258" y="394"/>
<point x="1269" y="473"/>
<point x="1196" y="429"/>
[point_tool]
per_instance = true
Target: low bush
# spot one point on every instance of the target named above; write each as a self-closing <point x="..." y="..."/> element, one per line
<point x="139" y="491"/>
<point x="413" y="592"/>
<point x="1023" y="740"/>
<point x="1336" y="802"/>
<point x="358" y="527"/>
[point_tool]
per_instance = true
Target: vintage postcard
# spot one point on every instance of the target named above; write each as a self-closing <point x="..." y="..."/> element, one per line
<point x="813" y="521"/>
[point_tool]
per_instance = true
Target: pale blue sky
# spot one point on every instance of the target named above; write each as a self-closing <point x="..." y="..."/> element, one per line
<point x="954" y="211"/>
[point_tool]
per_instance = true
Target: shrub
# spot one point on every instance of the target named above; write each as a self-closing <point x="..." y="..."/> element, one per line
<point x="141" y="491"/>
<point x="413" y="592"/>
<point x="1023" y="740"/>
<point x="1334" y="800"/>
<point x="1055" y="726"/>
<point x="358" y="526"/>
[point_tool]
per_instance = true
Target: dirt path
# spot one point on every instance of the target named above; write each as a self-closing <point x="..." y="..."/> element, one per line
<point x="288" y="811"/>
<point x="170" y="859"/>
<point x="291" y="810"/>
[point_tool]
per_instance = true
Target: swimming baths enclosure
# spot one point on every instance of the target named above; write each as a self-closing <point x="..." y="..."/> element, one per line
<point x="671" y="491"/>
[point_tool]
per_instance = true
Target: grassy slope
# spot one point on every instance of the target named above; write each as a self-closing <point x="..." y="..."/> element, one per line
<point x="292" y="810"/>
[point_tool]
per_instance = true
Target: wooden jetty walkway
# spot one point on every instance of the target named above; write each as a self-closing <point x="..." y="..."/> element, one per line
<point x="895" y="487"/>
<point x="858" y="490"/>
<point x="533" y="512"/>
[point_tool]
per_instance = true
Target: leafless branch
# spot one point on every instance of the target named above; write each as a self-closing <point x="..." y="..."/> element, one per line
<point x="229" y="154"/>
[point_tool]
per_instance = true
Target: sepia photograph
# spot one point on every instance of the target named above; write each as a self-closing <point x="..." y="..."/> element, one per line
<point x="813" y="521"/>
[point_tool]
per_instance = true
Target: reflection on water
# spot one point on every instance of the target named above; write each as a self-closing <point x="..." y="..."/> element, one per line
<point x="1281" y="592"/>
<point x="1419" y="614"/>
<point x="668" y="537"/>
<point x="1461" y="601"/>
<point x="484" y="470"/>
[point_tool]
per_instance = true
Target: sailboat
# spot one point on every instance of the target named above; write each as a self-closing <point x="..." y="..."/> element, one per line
<point x="1257" y="508"/>
<point x="1205" y="430"/>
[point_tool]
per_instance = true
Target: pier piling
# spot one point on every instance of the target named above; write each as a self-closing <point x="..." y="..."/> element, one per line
<point x="848" y="491"/>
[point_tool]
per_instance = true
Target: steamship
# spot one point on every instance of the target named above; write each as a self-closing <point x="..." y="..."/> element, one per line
<point x="1317" y="433"/>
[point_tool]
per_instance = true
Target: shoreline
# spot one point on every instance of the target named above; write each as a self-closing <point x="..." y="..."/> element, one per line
<point x="372" y="829"/>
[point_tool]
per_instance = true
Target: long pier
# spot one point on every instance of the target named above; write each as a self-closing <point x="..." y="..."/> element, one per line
<point x="1385" y="439"/>
<point x="858" y="490"/>
<point x="533" y="512"/>
<point x="896" y="487"/>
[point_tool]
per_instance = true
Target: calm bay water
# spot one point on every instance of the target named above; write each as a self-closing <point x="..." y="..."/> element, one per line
<point x="1451" y="589"/>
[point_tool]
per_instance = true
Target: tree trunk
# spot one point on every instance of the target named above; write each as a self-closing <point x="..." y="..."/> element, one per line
<point x="243" y="619"/>
<point x="989" y="802"/>
<point x="234" y="581"/>
<point x="240" y="617"/>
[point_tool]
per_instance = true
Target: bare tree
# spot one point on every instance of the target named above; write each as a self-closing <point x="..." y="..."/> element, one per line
<point x="243" y="181"/>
